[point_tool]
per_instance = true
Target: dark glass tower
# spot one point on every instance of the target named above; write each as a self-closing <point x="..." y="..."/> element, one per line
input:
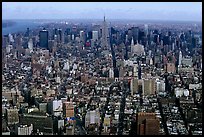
<point x="44" y="39"/>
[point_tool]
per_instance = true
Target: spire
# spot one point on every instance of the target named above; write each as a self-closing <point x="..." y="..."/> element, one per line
<point x="132" y="42"/>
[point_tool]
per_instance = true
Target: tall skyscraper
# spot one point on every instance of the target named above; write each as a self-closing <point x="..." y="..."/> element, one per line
<point x="132" y="45"/>
<point x="44" y="38"/>
<point x="180" y="58"/>
<point x="27" y="34"/>
<point x="104" y="34"/>
<point x="147" y="124"/>
<point x="126" y="48"/>
<point x="95" y="35"/>
<point x="146" y="29"/>
<point x="30" y="45"/>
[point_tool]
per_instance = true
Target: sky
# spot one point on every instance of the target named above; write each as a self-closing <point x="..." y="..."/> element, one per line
<point x="181" y="11"/>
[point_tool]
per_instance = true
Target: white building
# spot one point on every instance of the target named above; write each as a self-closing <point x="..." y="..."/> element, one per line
<point x="92" y="117"/>
<point x="66" y="65"/>
<point x="9" y="48"/>
<point x="137" y="49"/>
<point x="95" y="35"/>
<point x="24" y="129"/>
<point x="160" y="86"/>
<point x="30" y="45"/>
<point x="57" y="107"/>
<point x="81" y="35"/>
<point x="111" y="73"/>
<point x="135" y="70"/>
<point x="180" y="58"/>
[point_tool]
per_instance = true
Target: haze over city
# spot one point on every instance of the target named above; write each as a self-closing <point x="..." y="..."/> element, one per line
<point x="102" y="68"/>
<point x="180" y="11"/>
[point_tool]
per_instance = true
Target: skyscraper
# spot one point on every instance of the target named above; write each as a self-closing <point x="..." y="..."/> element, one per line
<point x="180" y="58"/>
<point x="95" y="35"/>
<point x="104" y="34"/>
<point x="44" y="38"/>
<point x="132" y="45"/>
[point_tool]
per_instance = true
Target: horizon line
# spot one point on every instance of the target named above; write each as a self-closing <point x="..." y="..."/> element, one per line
<point x="112" y="19"/>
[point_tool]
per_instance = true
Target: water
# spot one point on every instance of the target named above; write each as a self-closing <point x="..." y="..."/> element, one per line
<point x="20" y="26"/>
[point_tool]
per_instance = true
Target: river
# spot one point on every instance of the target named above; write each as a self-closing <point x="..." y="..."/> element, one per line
<point x="20" y="26"/>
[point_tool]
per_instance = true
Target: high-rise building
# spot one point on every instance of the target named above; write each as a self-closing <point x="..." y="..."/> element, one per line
<point x="43" y="39"/>
<point x="68" y="109"/>
<point x="111" y="73"/>
<point x="39" y="121"/>
<point x="30" y="45"/>
<point x="149" y="87"/>
<point x="27" y="34"/>
<point x="147" y="124"/>
<point x="146" y="29"/>
<point x="132" y="45"/>
<point x="82" y="36"/>
<point x="95" y="35"/>
<point x="134" y="86"/>
<point x="135" y="33"/>
<point x="92" y="117"/>
<point x="60" y="35"/>
<point x="105" y="34"/>
<point x="180" y="58"/>
<point x="12" y="116"/>
<point x="170" y="68"/>
<point x="24" y="129"/>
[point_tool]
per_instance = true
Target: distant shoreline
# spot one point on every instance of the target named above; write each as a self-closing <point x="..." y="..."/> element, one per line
<point x="109" y="19"/>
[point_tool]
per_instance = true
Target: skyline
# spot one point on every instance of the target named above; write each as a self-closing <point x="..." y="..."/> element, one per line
<point x="172" y="11"/>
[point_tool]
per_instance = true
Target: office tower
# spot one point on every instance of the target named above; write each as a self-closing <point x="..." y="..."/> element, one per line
<point x="66" y="65"/>
<point x="147" y="124"/>
<point x="170" y="68"/>
<point x="135" y="33"/>
<point x="68" y="31"/>
<point x="95" y="35"/>
<point x="89" y="35"/>
<point x="111" y="73"/>
<point x="30" y="45"/>
<point x="126" y="48"/>
<point x="104" y="34"/>
<point x="180" y="58"/>
<point x="40" y="121"/>
<point x="134" y="86"/>
<point x="132" y="45"/>
<point x="44" y="39"/>
<point x="11" y="39"/>
<point x="12" y="116"/>
<point x="82" y="36"/>
<point x="92" y="117"/>
<point x="23" y="129"/>
<point x="68" y="109"/>
<point x="135" y="70"/>
<point x="27" y="34"/>
<point x="160" y="86"/>
<point x="146" y="29"/>
<point x="149" y="87"/>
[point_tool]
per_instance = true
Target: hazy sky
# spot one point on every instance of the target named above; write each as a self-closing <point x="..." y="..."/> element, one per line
<point x="191" y="11"/>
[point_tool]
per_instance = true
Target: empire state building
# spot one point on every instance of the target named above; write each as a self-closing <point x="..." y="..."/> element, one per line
<point x="105" y="35"/>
